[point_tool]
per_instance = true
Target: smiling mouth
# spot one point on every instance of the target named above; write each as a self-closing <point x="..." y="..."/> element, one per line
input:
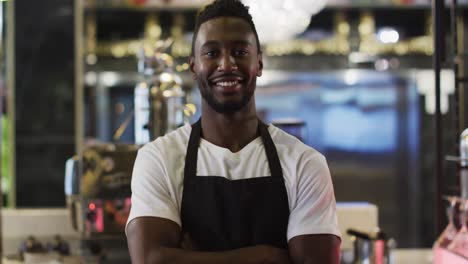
<point x="227" y="84"/>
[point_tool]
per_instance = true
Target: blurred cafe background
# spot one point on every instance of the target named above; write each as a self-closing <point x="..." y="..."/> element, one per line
<point x="375" y="85"/>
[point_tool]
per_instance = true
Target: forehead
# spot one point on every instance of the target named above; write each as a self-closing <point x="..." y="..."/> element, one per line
<point x="225" y="29"/>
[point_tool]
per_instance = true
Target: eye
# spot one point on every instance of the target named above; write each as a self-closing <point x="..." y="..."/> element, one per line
<point x="240" y="52"/>
<point x="211" y="53"/>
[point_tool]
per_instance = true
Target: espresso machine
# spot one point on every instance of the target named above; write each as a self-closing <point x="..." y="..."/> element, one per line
<point x="97" y="188"/>
<point x="98" y="182"/>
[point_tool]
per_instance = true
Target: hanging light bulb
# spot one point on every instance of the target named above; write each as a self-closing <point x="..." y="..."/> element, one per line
<point x="279" y="20"/>
<point x="310" y="6"/>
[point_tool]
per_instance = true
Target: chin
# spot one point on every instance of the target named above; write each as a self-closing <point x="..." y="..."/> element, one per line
<point x="226" y="104"/>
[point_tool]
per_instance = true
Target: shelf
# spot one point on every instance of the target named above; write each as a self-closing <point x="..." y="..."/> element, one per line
<point x="390" y="4"/>
<point x="145" y="5"/>
<point x="148" y="5"/>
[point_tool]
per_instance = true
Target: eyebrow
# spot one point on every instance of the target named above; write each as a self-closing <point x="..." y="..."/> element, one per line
<point x="236" y="42"/>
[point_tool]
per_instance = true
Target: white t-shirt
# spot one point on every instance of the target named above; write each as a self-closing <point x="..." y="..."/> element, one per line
<point x="158" y="176"/>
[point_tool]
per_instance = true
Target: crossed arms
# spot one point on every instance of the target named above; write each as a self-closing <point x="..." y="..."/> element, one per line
<point x="154" y="240"/>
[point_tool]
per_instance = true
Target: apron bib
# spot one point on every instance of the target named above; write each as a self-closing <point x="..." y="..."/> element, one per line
<point x="220" y="214"/>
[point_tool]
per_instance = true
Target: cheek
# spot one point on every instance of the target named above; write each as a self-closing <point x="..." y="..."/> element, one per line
<point x="254" y="71"/>
<point x="254" y="68"/>
<point x="203" y="71"/>
<point x="202" y="78"/>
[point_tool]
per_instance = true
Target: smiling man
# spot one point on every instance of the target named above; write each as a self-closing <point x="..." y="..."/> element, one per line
<point x="229" y="188"/>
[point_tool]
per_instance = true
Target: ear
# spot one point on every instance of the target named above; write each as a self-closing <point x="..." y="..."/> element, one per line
<point x="191" y="62"/>
<point x="260" y="65"/>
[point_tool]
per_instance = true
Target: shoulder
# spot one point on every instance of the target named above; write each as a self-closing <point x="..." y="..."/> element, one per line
<point x="173" y="142"/>
<point x="290" y="147"/>
<point x="302" y="165"/>
<point x="165" y="152"/>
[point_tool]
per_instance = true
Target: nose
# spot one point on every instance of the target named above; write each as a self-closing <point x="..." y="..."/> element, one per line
<point x="227" y="63"/>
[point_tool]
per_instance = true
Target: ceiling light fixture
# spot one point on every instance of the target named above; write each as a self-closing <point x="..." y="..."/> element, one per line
<point x="280" y="20"/>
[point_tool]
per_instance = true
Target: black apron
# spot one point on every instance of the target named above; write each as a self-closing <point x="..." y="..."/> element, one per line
<point x="220" y="214"/>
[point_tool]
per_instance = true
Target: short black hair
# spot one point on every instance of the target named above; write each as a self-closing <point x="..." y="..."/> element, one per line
<point x="224" y="8"/>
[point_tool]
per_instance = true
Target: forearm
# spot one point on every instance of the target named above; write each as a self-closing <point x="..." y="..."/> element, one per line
<point x="163" y="255"/>
<point x="158" y="241"/>
<point x="312" y="249"/>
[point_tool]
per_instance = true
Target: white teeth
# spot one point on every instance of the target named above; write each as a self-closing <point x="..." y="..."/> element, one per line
<point x="227" y="84"/>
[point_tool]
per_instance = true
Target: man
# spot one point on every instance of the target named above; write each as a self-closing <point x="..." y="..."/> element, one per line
<point x="230" y="189"/>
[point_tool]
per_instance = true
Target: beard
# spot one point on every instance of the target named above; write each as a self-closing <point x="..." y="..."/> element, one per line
<point x="226" y="107"/>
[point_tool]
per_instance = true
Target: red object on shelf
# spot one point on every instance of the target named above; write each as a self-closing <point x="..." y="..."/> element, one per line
<point x="443" y="256"/>
<point x="138" y="2"/>
<point x="379" y="251"/>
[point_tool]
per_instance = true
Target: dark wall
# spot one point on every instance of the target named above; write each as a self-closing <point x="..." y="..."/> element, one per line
<point x="44" y="100"/>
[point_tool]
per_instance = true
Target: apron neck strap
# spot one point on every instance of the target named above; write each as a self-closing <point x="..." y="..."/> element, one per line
<point x="194" y="142"/>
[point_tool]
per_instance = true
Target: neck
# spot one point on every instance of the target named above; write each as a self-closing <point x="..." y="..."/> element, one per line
<point x="231" y="131"/>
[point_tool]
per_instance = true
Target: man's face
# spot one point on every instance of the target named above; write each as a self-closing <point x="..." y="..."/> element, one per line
<point x="226" y="63"/>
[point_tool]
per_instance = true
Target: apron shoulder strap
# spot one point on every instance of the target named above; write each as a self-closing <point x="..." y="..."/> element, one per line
<point x="270" y="149"/>
<point x="192" y="152"/>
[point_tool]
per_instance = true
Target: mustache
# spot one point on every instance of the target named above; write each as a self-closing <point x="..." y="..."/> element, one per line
<point x="225" y="75"/>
